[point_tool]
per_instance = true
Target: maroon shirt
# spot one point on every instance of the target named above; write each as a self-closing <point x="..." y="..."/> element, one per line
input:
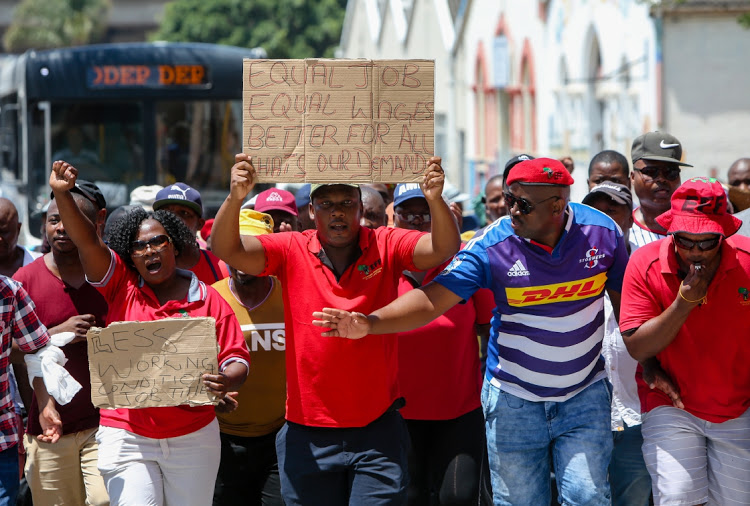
<point x="55" y="302"/>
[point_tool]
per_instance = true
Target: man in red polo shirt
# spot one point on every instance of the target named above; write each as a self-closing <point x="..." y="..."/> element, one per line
<point x="686" y="317"/>
<point x="344" y="442"/>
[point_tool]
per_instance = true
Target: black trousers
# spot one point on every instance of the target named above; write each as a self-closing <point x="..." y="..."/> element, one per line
<point x="445" y="460"/>
<point x="248" y="472"/>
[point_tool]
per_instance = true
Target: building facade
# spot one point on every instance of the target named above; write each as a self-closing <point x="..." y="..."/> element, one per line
<point x="568" y="77"/>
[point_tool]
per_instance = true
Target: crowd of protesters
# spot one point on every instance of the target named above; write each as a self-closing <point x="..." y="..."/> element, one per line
<point x="369" y="353"/>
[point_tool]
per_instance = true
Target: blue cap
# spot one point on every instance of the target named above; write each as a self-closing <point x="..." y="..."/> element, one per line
<point x="179" y="193"/>
<point x="406" y="191"/>
<point x="302" y="197"/>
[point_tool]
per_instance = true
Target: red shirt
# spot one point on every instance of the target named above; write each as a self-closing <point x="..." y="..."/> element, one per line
<point x="56" y="302"/>
<point x="209" y="268"/>
<point x="335" y="382"/>
<point x="709" y="357"/>
<point x="130" y="299"/>
<point x="438" y="364"/>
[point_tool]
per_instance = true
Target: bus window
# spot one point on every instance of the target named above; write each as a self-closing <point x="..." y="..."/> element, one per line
<point x="196" y="144"/>
<point x="104" y="141"/>
<point x="9" y="135"/>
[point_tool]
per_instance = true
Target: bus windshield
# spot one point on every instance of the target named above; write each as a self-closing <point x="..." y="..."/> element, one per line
<point x="195" y="142"/>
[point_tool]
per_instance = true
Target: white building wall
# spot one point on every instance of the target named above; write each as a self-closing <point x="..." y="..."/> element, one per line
<point x="424" y="37"/>
<point x="707" y="90"/>
<point x="594" y="108"/>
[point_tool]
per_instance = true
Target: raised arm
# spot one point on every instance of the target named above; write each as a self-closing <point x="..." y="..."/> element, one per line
<point x="410" y="311"/>
<point x="245" y="252"/>
<point x="95" y="255"/>
<point x="443" y="240"/>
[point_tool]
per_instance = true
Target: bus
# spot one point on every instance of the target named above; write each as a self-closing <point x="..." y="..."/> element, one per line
<point x="125" y="115"/>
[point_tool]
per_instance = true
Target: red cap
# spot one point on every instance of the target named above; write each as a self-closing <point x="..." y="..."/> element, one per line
<point x="699" y="206"/>
<point x="276" y="198"/>
<point x="546" y="171"/>
<point x="206" y="229"/>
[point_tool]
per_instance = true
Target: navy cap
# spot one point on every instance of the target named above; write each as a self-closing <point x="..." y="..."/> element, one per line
<point x="179" y="193"/>
<point x="88" y="190"/>
<point x="302" y="197"/>
<point x="406" y="191"/>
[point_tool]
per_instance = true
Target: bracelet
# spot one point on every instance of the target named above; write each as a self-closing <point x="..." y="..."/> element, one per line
<point x="702" y="300"/>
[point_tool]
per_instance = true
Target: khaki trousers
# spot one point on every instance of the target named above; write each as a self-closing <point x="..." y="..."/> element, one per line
<point x="65" y="473"/>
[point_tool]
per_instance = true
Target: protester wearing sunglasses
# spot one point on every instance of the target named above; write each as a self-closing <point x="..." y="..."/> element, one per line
<point x="548" y="265"/>
<point x="154" y="455"/>
<point x="686" y="318"/>
<point x="657" y="158"/>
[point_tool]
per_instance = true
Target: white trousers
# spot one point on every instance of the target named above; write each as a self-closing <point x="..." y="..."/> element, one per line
<point x="141" y="471"/>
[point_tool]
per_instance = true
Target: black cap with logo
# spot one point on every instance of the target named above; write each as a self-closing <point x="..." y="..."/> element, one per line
<point x="658" y="146"/>
<point x="88" y="190"/>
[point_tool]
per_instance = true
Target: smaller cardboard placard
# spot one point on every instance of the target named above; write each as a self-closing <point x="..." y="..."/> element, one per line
<point x="152" y="364"/>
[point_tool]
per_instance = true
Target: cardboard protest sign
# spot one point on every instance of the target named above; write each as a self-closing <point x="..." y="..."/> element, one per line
<point x="152" y="364"/>
<point x="344" y="121"/>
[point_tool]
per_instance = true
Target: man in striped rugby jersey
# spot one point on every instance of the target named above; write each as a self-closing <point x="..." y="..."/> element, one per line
<point x="544" y="396"/>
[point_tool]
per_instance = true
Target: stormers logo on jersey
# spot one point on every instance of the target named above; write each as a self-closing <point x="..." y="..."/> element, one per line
<point x="592" y="258"/>
<point x="454" y="263"/>
<point x="559" y="292"/>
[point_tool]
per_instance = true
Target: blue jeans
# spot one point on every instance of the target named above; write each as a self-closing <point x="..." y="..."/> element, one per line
<point x="9" y="480"/>
<point x="337" y="467"/>
<point x="628" y="475"/>
<point x="526" y="440"/>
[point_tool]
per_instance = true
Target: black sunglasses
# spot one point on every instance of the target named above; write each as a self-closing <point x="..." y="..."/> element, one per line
<point x="156" y="243"/>
<point x="669" y="173"/>
<point x="705" y="245"/>
<point x="524" y="205"/>
<point x="411" y="217"/>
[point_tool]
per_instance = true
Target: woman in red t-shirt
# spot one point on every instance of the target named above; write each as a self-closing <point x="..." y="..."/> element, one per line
<point x="163" y="455"/>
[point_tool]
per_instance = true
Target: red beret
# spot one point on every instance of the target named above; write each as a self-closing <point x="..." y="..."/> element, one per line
<point x="540" y="171"/>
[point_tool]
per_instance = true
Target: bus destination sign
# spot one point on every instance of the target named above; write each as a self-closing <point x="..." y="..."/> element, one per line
<point x="146" y="76"/>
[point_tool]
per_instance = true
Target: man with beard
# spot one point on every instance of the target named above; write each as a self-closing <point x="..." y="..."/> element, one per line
<point x="249" y="470"/>
<point x="657" y="157"/>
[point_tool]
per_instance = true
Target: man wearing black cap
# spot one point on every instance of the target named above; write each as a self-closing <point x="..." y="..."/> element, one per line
<point x="344" y="441"/>
<point x="657" y="158"/>
<point x="66" y="472"/>
<point x="614" y="200"/>
<point x="545" y="398"/>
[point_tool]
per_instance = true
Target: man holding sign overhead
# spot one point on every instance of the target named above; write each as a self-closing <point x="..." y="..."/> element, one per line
<point x="344" y="441"/>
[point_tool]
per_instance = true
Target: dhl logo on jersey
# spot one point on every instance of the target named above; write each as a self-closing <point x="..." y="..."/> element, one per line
<point x="559" y="292"/>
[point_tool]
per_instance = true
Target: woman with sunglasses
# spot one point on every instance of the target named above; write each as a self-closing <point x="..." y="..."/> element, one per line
<point x="165" y="455"/>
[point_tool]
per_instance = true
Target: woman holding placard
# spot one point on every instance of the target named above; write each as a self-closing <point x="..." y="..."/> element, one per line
<point x="164" y="455"/>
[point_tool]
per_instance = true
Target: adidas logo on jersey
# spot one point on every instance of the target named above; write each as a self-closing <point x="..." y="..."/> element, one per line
<point x="274" y="197"/>
<point x="518" y="270"/>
